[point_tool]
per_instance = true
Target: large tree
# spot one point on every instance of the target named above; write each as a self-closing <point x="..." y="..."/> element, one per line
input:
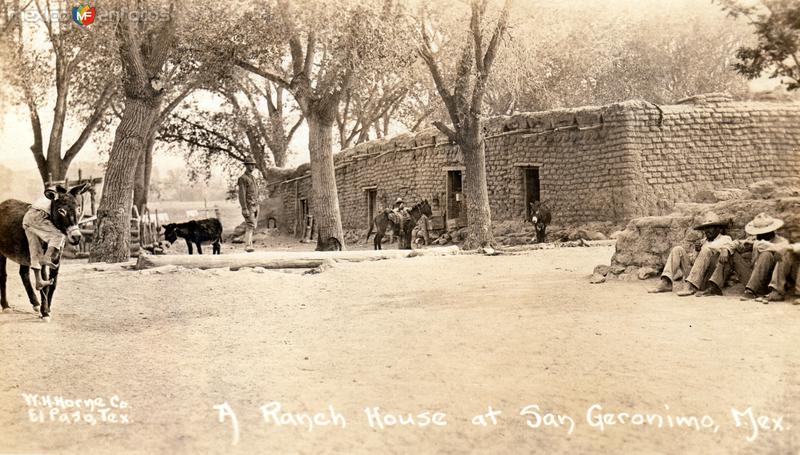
<point x="317" y="51"/>
<point x="75" y="74"/>
<point x="464" y="96"/>
<point x="777" y="52"/>
<point x="144" y="43"/>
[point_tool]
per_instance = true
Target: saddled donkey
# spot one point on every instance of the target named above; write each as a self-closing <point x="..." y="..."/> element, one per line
<point x="541" y="217"/>
<point x="401" y="227"/>
<point x="14" y="243"/>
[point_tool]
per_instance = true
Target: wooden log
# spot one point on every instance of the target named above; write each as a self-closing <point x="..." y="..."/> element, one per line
<point x="282" y="259"/>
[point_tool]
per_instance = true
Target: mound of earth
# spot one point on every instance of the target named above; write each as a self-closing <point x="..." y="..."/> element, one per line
<point x="642" y="248"/>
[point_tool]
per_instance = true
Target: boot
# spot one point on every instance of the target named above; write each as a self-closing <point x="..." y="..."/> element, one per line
<point x="712" y="289"/>
<point x="748" y="294"/>
<point x="774" y="296"/>
<point x="690" y="290"/>
<point x="665" y="285"/>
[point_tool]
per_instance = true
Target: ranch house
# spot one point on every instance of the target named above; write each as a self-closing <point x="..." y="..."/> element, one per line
<point x="608" y="163"/>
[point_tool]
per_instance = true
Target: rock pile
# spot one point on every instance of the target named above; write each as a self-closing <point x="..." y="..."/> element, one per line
<point x="643" y="247"/>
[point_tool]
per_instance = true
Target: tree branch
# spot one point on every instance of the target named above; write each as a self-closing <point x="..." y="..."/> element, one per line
<point x="162" y="42"/>
<point x="446" y="130"/>
<point x="485" y="63"/>
<point x="426" y="53"/>
<point x="266" y="74"/>
<point x="37" y="148"/>
<point x="130" y="53"/>
<point x="477" y="36"/>
<point x="175" y="102"/>
<point x="99" y="108"/>
<point x="169" y="136"/>
<point x="294" y="128"/>
<point x="500" y="29"/>
<point x="310" y="50"/>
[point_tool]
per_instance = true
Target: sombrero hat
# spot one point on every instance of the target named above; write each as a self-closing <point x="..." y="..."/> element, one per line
<point x="763" y="224"/>
<point x="711" y="219"/>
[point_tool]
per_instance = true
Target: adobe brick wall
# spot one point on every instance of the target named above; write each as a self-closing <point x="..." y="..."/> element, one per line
<point x="609" y="163"/>
<point x="708" y="144"/>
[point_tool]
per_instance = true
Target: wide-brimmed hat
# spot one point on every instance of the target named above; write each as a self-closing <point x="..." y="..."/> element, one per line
<point x="763" y="224"/>
<point x="250" y="161"/>
<point x="711" y="219"/>
<point x="398" y="200"/>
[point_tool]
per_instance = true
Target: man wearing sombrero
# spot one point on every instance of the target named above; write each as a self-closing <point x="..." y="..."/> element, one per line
<point x="679" y="264"/>
<point x="248" y="199"/>
<point x="766" y="252"/>
<point x="785" y="275"/>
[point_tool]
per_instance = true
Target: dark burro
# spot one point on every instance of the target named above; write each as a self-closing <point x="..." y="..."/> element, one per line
<point x="14" y="244"/>
<point x="541" y="218"/>
<point x="197" y="232"/>
<point x="403" y="228"/>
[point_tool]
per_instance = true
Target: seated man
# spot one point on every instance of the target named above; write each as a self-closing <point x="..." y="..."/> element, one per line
<point x="679" y="263"/>
<point x="766" y="252"/>
<point x="785" y="274"/>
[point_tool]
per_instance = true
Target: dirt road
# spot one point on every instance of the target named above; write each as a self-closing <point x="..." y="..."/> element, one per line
<point x="449" y="335"/>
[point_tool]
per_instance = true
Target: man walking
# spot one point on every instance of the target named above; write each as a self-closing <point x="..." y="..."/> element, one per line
<point x="248" y="199"/>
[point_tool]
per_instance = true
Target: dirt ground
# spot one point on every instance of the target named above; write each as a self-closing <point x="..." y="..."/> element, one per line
<point x="438" y="334"/>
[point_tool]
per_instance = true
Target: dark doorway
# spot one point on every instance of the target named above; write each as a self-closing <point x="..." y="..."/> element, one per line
<point x="303" y="217"/>
<point x="303" y="209"/>
<point x="372" y="204"/>
<point x="455" y="200"/>
<point x="531" y="182"/>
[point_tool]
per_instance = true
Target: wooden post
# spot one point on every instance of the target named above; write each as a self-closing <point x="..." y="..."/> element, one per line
<point x="158" y="226"/>
<point x="297" y="213"/>
<point x="92" y="194"/>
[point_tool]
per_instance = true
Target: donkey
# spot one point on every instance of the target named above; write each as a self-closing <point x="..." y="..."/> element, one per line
<point x="14" y="243"/>
<point x="541" y="217"/>
<point x="197" y="232"/>
<point x="401" y="228"/>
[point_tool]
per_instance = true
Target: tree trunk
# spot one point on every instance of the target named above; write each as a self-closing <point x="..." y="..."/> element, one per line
<point x="479" y="215"/>
<point x="144" y="168"/>
<point x="54" y="167"/>
<point x="111" y="241"/>
<point x="280" y="145"/>
<point x="325" y="198"/>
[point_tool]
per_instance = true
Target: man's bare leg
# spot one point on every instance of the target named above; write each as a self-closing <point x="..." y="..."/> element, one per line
<point x="248" y="240"/>
<point x="40" y="282"/>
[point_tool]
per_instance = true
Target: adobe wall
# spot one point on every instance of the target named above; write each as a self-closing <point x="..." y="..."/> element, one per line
<point x="610" y="163"/>
<point x="710" y="143"/>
